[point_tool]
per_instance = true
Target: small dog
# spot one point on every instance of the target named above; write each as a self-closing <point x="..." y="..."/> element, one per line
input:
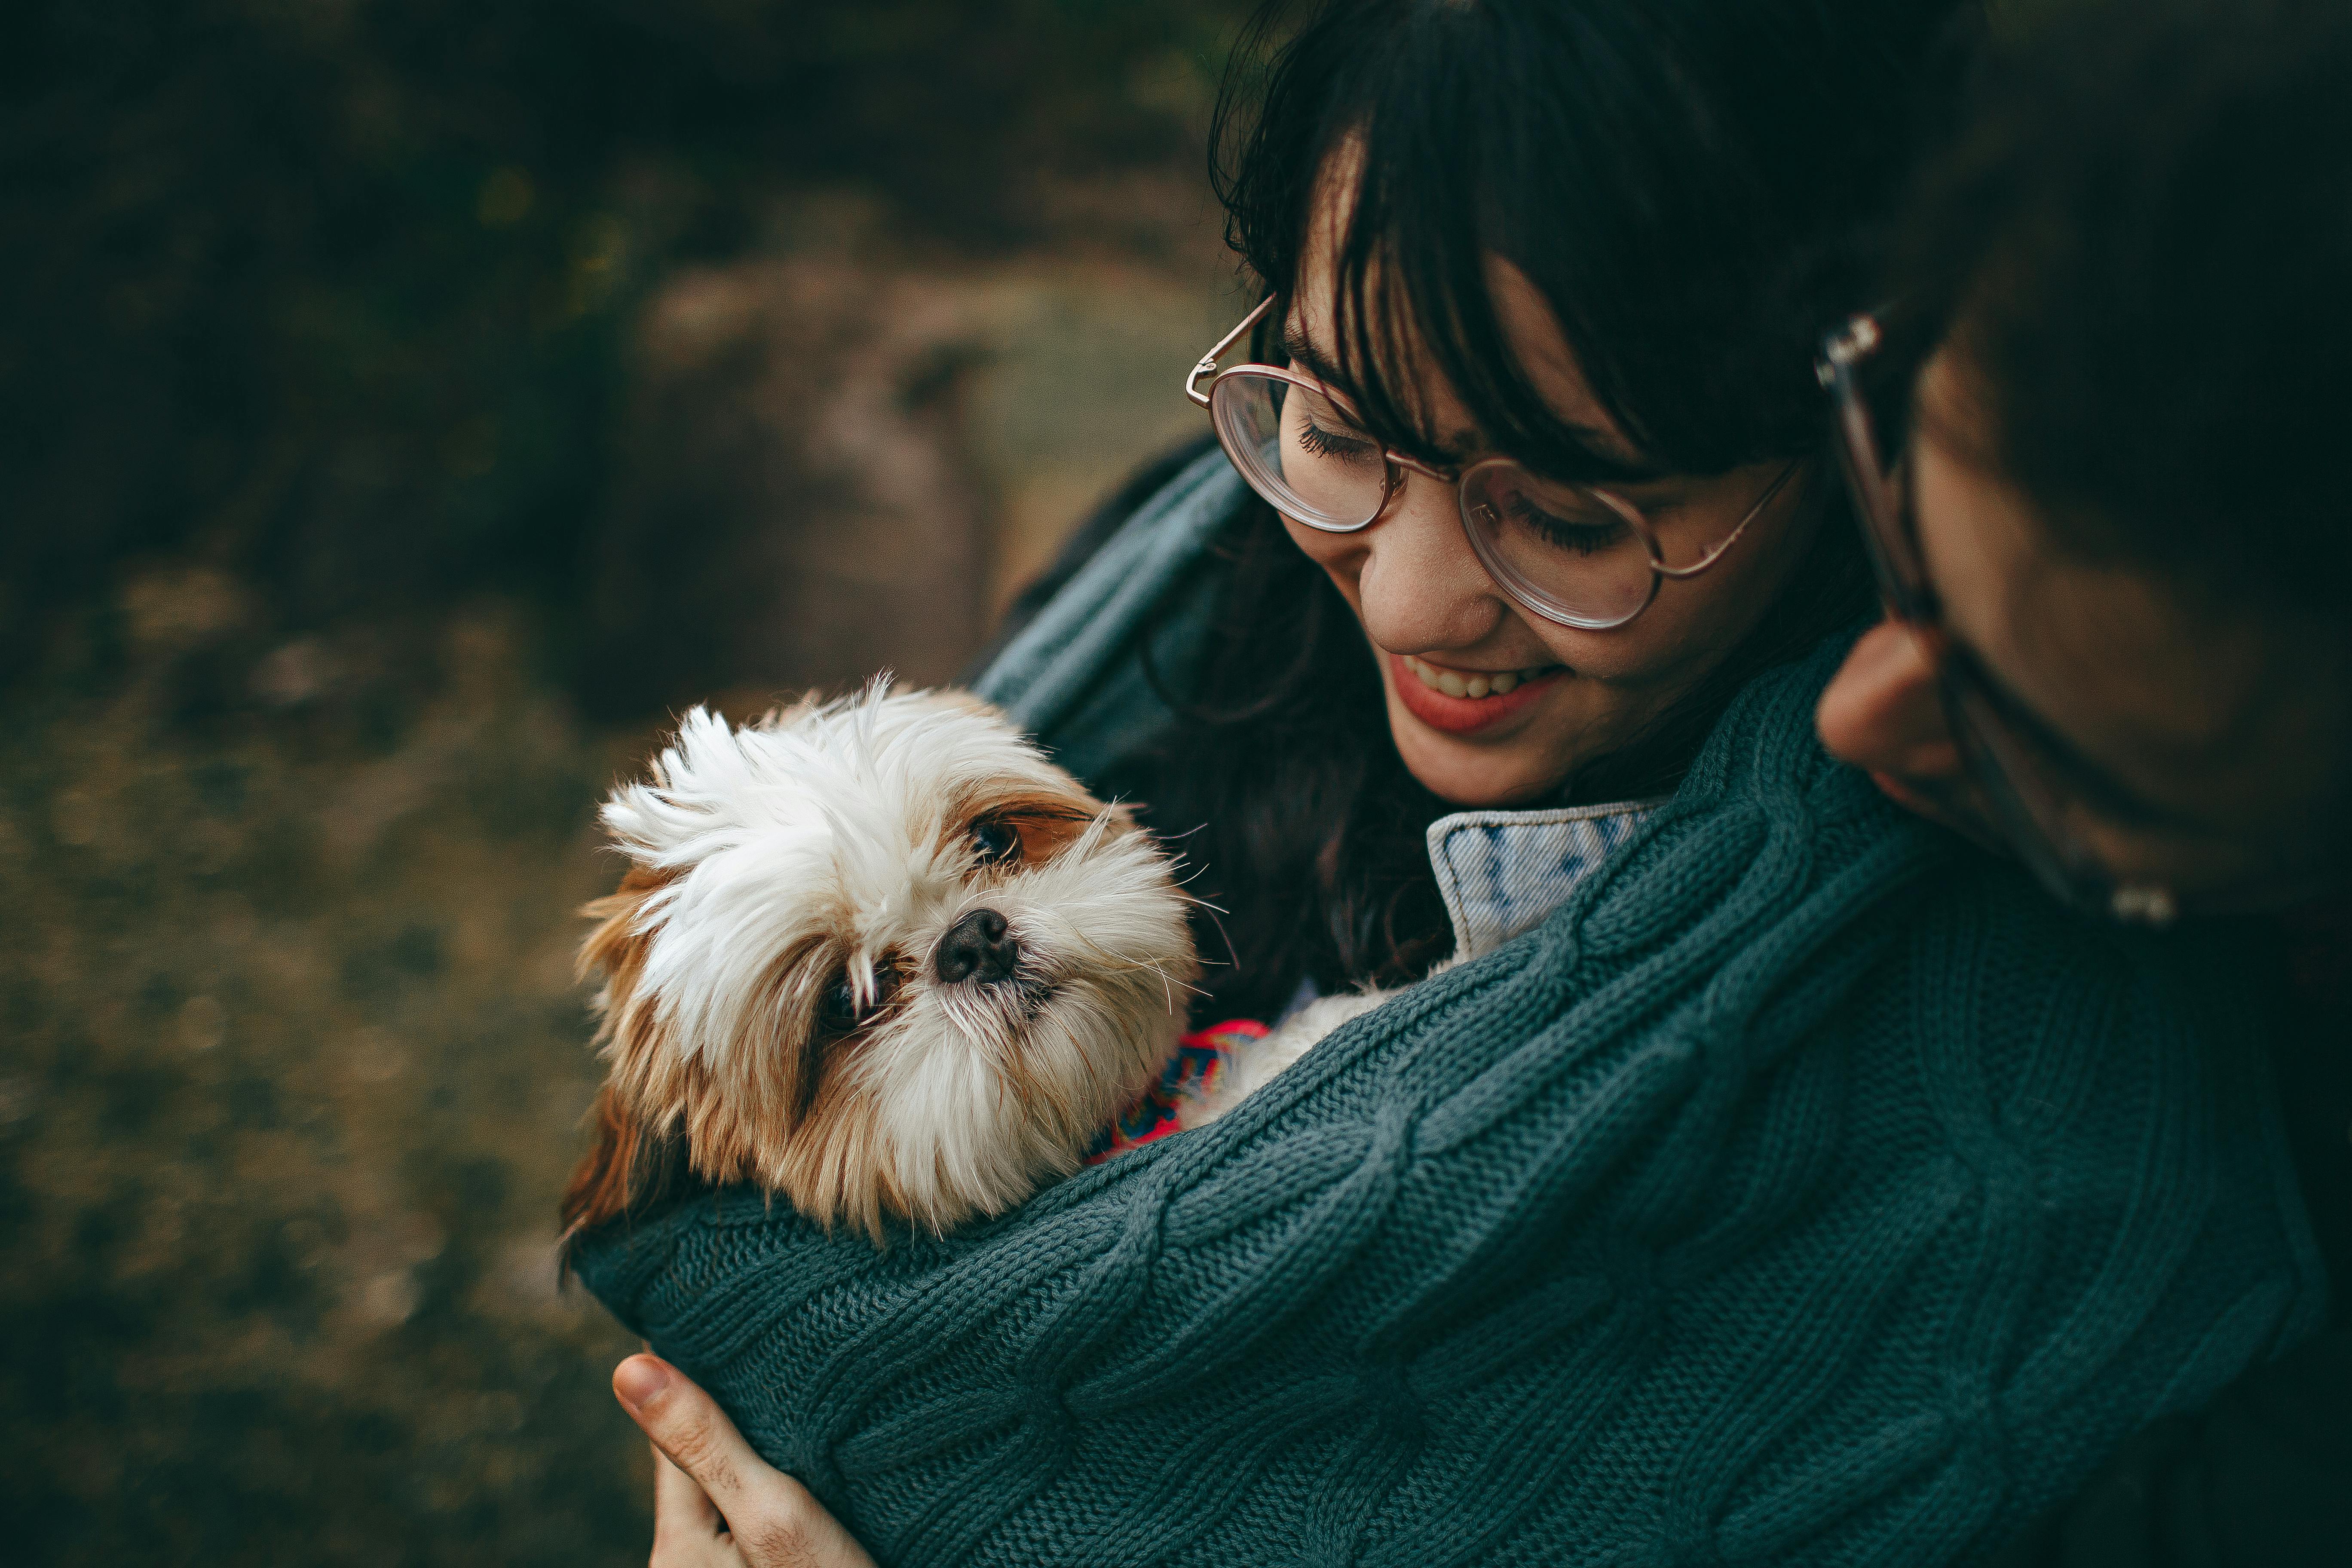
<point x="882" y="957"/>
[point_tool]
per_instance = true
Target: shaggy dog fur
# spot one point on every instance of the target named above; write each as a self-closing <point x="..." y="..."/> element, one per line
<point x="877" y="955"/>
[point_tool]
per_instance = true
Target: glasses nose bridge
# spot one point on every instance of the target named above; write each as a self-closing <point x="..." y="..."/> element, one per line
<point x="1402" y="471"/>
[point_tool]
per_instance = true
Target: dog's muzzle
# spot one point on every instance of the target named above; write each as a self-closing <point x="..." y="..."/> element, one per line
<point x="979" y="947"/>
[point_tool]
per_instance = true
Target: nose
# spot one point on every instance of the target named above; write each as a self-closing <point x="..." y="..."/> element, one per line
<point x="978" y="947"/>
<point x="1882" y="712"/>
<point x="1420" y="584"/>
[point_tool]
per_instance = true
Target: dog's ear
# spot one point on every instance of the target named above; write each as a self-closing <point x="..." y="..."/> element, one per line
<point x="615" y="953"/>
<point x="632" y="1169"/>
<point x="598" y="1193"/>
<point x="615" y="950"/>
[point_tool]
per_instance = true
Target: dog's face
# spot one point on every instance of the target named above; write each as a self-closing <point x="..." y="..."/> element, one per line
<point x="881" y="956"/>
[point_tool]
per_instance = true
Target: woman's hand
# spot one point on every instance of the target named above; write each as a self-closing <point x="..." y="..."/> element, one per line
<point x="715" y="1500"/>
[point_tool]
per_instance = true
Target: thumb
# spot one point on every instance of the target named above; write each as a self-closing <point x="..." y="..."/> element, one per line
<point x="686" y="1425"/>
<point x="775" y="1521"/>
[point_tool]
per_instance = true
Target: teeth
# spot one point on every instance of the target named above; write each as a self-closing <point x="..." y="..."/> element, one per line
<point x="1455" y="684"/>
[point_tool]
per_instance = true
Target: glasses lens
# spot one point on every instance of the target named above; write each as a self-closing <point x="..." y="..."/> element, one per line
<point x="1881" y="497"/>
<point x="1300" y="450"/>
<point x="1571" y="554"/>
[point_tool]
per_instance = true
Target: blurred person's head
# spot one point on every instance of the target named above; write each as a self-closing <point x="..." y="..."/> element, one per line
<point x="1598" y="237"/>
<point x="2127" y="295"/>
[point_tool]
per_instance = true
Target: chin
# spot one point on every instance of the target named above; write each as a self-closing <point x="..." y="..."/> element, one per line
<point x="878" y="956"/>
<point x="1475" y="775"/>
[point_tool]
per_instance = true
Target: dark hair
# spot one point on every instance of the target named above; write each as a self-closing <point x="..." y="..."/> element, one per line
<point x="1691" y="185"/>
<point x="2141" y="250"/>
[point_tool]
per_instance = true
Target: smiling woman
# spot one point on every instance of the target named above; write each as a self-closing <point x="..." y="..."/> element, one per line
<point x="1524" y="560"/>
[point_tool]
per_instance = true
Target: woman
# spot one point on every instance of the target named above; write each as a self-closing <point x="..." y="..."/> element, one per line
<point x="2117" y="556"/>
<point x="1789" y="1191"/>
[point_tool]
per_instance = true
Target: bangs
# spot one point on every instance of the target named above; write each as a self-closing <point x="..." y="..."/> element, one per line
<point x="1413" y="310"/>
<point x="1674" y="181"/>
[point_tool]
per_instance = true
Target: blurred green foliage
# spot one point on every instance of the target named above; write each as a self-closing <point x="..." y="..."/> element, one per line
<point x="329" y="293"/>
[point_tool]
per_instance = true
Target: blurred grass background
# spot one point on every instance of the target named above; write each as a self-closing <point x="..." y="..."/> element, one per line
<point x="404" y="408"/>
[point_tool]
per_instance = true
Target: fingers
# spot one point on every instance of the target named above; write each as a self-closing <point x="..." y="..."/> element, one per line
<point x="707" y="1479"/>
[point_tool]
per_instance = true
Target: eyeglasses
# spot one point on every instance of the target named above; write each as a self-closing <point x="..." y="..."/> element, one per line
<point x="1574" y="555"/>
<point x="2015" y="762"/>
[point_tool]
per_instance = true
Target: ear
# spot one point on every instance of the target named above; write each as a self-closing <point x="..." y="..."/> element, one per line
<point x="615" y="951"/>
<point x="598" y="1192"/>
<point x="1881" y="711"/>
<point x="631" y="1169"/>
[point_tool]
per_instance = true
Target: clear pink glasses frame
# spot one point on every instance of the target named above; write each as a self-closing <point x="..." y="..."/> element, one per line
<point x="1507" y="576"/>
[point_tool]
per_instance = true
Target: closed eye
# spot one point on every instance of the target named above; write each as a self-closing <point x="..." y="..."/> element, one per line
<point x="1326" y="443"/>
<point x="1579" y="537"/>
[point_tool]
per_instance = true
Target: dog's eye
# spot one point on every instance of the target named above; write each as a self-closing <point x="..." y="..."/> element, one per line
<point x="994" y="843"/>
<point x="838" y="1009"/>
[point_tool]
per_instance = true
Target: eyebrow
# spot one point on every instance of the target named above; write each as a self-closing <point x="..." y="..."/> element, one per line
<point x="1302" y="350"/>
<point x="1598" y="443"/>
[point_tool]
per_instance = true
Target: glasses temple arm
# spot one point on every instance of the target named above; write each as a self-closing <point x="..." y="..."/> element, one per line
<point x="1208" y="365"/>
<point x="1715" y="555"/>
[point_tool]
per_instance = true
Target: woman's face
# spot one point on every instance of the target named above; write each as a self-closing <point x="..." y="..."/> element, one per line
<point x="2226" y="735"/>
<point x="1442" y="629"/>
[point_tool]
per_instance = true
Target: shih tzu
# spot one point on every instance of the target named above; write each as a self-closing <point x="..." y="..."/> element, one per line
<point x="879" y="956"/>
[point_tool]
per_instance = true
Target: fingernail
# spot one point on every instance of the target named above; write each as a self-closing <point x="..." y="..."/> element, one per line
<point x="639" y="1380"/>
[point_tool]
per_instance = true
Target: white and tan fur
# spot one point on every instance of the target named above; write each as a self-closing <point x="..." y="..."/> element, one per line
<point x="863" y="843"/>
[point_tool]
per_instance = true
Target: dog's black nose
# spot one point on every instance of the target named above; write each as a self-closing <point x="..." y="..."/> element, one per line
<point x="979" y="946"/>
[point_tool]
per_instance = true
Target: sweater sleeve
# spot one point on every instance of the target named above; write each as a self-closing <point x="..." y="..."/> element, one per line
<point x="1800" y="1193"/>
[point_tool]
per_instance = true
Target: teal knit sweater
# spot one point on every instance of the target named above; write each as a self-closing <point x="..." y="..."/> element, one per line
<point x="1806" y="1190"/>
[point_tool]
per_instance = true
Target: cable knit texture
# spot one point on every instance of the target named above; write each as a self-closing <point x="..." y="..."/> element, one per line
<point x="1806" y="1190"/>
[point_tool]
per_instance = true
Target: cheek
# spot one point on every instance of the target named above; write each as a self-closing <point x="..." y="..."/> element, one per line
<point x="1693" y="622"/>
<point x="1340" y="554"/>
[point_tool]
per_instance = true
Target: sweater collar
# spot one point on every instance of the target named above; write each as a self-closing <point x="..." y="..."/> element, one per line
<point x="1501" y="872"/>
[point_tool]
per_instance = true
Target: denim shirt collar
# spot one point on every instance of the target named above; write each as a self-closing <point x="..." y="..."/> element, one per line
<point x="1502" y="872"/>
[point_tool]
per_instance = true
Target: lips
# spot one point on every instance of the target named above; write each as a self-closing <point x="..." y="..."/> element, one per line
<point x="1467" y="715"/>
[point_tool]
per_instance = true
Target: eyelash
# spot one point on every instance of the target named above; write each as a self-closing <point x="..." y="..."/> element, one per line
<point x="1325" y="444"/>
<point x="1584" y="538"/>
